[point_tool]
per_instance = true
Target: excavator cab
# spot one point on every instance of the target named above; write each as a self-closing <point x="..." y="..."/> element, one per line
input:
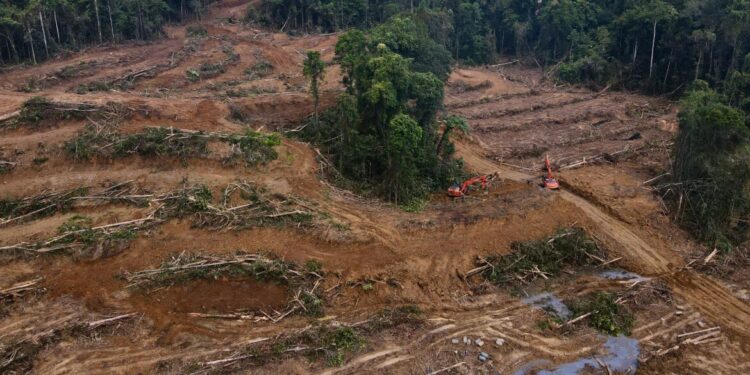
<point x="455" y="190"/>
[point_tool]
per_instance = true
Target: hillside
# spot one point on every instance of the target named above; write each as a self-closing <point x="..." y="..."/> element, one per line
<point x="114" y="257"/>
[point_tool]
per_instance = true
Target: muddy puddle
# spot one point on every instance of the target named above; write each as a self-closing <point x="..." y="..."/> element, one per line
<point x="549" y="302"/>
<point x="618" y="274"/>
<point x="619" y="353"/>
<point x="621" y="357"/>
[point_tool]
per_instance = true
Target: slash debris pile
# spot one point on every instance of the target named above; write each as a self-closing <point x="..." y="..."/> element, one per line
<point x="541" y="258"/>
<point x="102" y="141"/>
<point x="18" y="352"/>
<point x="182" y="268"/>
<point x="194" y="202"/>
<point x="39" y="112"/>
<point x="333" y="342"/>
<point x="50" y="202"/>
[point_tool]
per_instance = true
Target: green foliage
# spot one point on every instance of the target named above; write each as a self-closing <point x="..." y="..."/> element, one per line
<point x="567" y="247"/>
<point x="737" y="89"/>
<point x="712" y="166"/>
<point x="74" y="224"/>
<point x="313" y="265"/>
<point x="73" y="24"/>
<point x="313" y="304"/>
<point x="314" y="69"/>
<point x="260" y="267"/>
<point x="40" y="205"/>
<point x="196" y="31"/>
<point x="160" y="141"/>
<point x="408" y="36"/>
<point x="40" y="111"/>
<point x="606" y="315"/>
<point x="254" y="148"/>
<point x="415" y="205"/>
<point x="78" y="228"/>
<point x="332" y="342"/>
<point x="337" y="343"/>
<point x="33" y="110"/>
<point x="393" y="317"/>
<point x="383" y="132"/>
<point x="589" y="58"/>
<point x="471" y="33"/>
<point x="191" y="200"/>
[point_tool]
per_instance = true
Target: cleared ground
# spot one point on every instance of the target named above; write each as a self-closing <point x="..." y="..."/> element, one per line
<point x="373" y="255"/>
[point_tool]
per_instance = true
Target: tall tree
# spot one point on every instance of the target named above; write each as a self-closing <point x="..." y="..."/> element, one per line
<point x="98" y="22"/>
<point x="314" y="70"/>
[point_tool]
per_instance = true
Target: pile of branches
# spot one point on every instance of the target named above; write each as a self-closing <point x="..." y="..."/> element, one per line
<point x="128" y="80"/>
<point x="19" y="289"/>
<point x="82" y="69"/>
<point x="460" y="86"/>
<point x="543" y="258"/>
<point x="492" y="99"/>
<point x="210" y="70"/>
<point x="194" y="202"/>
<point x="261" y="209"/>
<point x="103" y="141"/>
<point x="7" y="166"/>
<point x="333" y="342"/>
<point x="50" y="202"/>
<point x="534" y="107"/>
<point x="40" y="112"/>
<point x="684" y="340"/>
<point x="260" y="266"/>
<point x="17" y="355"/>
<point x="261" y="68"/>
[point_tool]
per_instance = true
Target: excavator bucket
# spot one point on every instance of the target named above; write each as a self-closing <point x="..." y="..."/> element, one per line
<point x="549" y="181"/>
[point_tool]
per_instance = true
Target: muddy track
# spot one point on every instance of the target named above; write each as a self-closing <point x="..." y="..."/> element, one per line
<point x="647" y="257"/>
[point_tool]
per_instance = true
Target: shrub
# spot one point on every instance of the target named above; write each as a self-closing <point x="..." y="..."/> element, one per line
<point x="606" y="315"/>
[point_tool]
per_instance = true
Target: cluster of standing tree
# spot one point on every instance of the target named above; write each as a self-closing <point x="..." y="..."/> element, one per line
<point x="710" y="188"/>
<point x="34" y="30"/>
<point x="383" y="131"/>
<point x="657" y="45"/>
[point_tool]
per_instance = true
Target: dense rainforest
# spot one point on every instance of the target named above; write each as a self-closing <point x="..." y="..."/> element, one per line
<point x="656" y="45"/>
<point x="35" y="30"/>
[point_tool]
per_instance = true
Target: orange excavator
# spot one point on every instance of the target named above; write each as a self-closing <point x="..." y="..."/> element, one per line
<point x="457" y="191"/>
<point x="549" y="181"/>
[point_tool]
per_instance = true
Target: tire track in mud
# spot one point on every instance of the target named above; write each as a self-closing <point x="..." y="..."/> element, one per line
<point x="707" y="295"/>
